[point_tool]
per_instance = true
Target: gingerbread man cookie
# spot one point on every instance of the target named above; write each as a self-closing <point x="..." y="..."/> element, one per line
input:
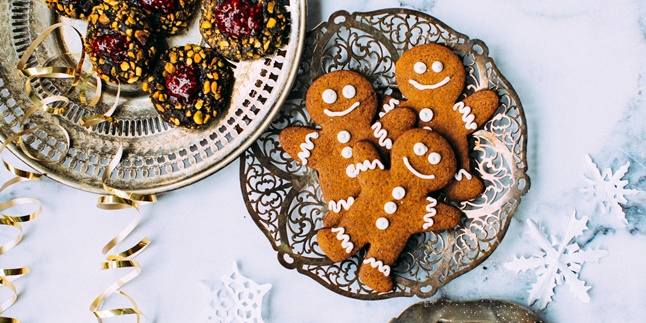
<point x="343" y="104"/>
<point x="393" y="204"/>
<point x="432" y="78"/>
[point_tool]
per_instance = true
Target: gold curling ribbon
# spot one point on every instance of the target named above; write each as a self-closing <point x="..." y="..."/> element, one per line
<point x="48" y="72"/>
<point x="79" y="79"/>
<point x="7" y="275"/>
<point x="118" y="200"/>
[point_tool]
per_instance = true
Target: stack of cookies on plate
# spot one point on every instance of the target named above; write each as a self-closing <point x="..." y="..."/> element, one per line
<point x="387" y="174"/>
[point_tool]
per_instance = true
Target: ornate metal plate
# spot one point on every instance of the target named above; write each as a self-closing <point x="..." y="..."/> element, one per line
<point x="284" y="197"/>
<point x="159" y="157"/>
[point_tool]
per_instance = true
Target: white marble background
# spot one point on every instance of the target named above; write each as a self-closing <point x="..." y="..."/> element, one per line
<point x="578" y="67"/>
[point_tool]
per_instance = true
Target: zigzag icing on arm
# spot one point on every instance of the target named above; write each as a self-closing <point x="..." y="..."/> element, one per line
<point x="384" y="269"/>
<point x="307" y="146"/>
<point x="353" y="170"/>
<point x="462" y="172"/>
<point x="335" y="206"/>
<point x="467" y="116"/>
<point x="344" y="238"/>
<point x="389" y="106"/>
<point x="428" y="217"/>
<point x="382" y="135"/>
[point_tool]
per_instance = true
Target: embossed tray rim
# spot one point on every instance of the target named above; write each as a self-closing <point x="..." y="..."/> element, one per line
<point x="232" y="156"/>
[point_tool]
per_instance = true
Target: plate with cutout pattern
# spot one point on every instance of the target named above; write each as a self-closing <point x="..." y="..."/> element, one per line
<point x="284" y="197"/>
<point x="158" y="157"/>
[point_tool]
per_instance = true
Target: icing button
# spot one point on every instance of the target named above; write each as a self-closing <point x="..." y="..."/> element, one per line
<point x="426" y="115"/>
<point x="346" y="152"/>
<point x="343" y="137"/>
<point x="382" y="224"/>
<point x="399" y="193"/>
<point x="434" y="158"/>
<point x="390" y="207"/>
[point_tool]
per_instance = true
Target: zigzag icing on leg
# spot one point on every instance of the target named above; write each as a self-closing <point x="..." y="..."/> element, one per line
<point x="382" y="135"/>
<point x="430" y="208"/>
<point x="384" y="269"/>
<point x="462" y="172"/>
<point x="344" y="238"/>
<point x="307" y="146"/>
<point x="335" y="206"/>
<point x="354" y="169"/>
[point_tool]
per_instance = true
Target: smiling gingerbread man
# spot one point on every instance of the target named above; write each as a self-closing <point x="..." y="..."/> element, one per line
<point x="432" y="78"/>
<point x="393" y="204"/>
<point x="343" y="104"/>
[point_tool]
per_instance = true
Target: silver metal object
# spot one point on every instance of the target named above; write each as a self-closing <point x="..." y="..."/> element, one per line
<point x="480" y="311"/>
<point x="159" y="157"/>
<point x="284" y="197"/>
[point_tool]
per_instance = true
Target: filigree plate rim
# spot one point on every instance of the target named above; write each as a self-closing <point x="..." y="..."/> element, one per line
<point x="291" y="70"/>
<point x="511" y="203"/>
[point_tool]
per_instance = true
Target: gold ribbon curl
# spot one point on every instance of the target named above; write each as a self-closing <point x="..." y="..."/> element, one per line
<point x="7" y="275"/>
<point x="118" y="200"/>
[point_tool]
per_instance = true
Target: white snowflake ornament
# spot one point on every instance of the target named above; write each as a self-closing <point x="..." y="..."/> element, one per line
<point x="559" y="261"/>
<point x="237" y="298"/>
<point x="607" y="189"/>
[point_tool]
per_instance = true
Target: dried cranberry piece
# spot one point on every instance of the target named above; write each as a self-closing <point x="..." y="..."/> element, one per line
<point x="239" y="18"/>
<point x="112" y="46"/>
<point x="184" y="84"/>
<point x="165" y="6"/>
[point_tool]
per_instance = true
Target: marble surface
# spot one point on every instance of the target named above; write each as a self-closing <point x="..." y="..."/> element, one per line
<point x="578" y="68"/>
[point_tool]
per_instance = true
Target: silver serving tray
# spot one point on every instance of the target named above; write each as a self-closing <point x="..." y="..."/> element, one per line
<point x="158" y="157"/>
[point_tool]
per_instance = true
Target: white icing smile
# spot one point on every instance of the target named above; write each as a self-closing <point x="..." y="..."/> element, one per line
<point x="341" y="113"/>
<point x="423" y="87"/>
<point x="415" y="172"/>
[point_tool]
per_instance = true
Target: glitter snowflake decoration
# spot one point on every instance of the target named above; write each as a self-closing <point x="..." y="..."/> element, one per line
<point x="237" y="298"/>
<point x="607" y="189"/>
<point x="559" y="262"/>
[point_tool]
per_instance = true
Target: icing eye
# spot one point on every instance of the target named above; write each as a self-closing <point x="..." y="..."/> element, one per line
<point x="437" y="67"/>
<point x="346" y="152"/>
<point x="329" y="96"/>
<point x="349" y="91"/>
<point x="420" y="149"/>
<point x="419" y="68"/>
<point x="434" y="158"/>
